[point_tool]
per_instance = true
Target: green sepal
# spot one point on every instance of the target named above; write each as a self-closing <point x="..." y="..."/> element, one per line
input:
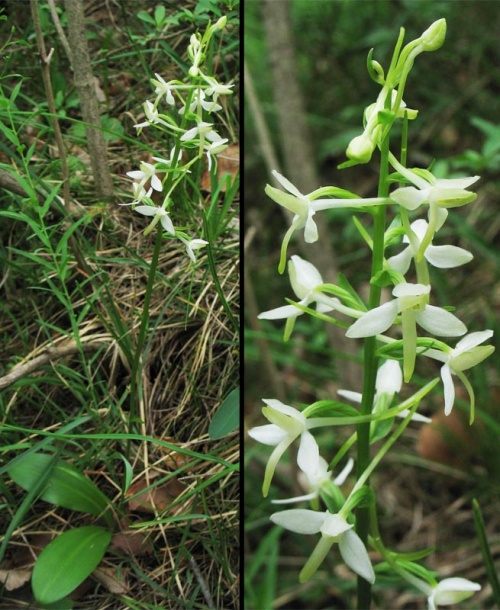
<point x="361" y="498"/>
<point x="387" y="277"/>
<point x="330" y="408"/>
<point x="375" y="70"/>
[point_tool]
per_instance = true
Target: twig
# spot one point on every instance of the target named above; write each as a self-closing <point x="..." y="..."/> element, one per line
<point x="203" y="583"/>
<point x="50" y="354"/>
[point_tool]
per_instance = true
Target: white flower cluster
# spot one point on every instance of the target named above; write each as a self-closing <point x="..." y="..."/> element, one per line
<point x="188" y="105"/>
<point x="411" y="306"/>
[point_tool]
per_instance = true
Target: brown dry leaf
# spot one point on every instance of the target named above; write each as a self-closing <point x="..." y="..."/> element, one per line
<point x="14" y="578"/>
<point x="130" y="542"/>
<point x="114" y="580"/>
<point x="156" y="498"/>
<point x="228" y="162"/>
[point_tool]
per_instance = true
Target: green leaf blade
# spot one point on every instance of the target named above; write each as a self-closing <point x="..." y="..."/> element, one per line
<point x="67" y="561"/>
<point x="227" y="416"/>
<point x="66" y="486"/>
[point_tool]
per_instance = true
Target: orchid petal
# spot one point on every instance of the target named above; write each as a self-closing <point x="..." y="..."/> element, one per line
<point x="355" y="555"/>
<point x="449" y="388"/>
<point x="440" y="322"/>
<point x="409" y="197"/>
<point x="446" y="257"/>
<point x="299" y="520"/>
<point x="472" y="340"/>
<point x="286" y="184"/>
<point x="280" y="313"/>
<point x="308" y="454"/>
<point x="374" y="322"/>
<point x="269" y="434"/>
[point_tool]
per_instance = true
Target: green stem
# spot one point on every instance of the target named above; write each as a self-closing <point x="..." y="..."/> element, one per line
<point x="370" y="365"/>
<point x="135" y="382"/>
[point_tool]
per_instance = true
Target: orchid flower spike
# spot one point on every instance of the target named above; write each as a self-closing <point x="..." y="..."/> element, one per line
<point x="412" y="302"/>
<point x="388" y="383"/>
<point x="306" y="282"/>
<point x="334" y="529"/>
<point x="443" y="257"/>
<point x="305" y="206"/>
<point x="287" y="425"/>
<point x="467" y="353"/>
<point x="438" y="193"/>
<point x="317" y="478"/>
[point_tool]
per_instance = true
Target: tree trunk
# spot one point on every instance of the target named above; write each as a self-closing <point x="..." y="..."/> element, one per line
<point x="298" y="153"/>
<point x="84" y="83"/>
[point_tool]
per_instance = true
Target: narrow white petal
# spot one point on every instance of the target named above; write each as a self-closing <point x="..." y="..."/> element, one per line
<point x="354" y="396"/>
<point x="374" y="322"/>
<point x="269" y="434"/>
<point x="344" y="473"/>
<point x="409" y="197"/>
<point x="147" y="210"/>
<point x="282" y="408"/>
<point x="305" y="274"/>
<point x="167" y="224"/>
<point x="280" y="313"/>
<point x="449" y="388"/>
<point x="287" y="184"/>
<point x="446" y="257"/>
<point x="355" y="555"/>
<point x="453" y="590"/>
<point x="401" y="262"/>
<point x="308" y="454"/>
<point x="299" y="520"/>
<point x="440" y="322"/>
<point x="472" y="340"/>
<point x="305" y="498"/>
<point x="406" y="289"/>
<point x="456" y="183"/>
<point x="310" y="230"/>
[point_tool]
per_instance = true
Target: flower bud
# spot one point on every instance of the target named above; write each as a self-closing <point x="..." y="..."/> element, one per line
<point x="360" y="149"/>
<point x="221" y="24"/>
<point x="433" y="37"/>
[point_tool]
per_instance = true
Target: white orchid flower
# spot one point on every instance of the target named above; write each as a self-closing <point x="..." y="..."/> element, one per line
<point x="146" y="171"/>
<point x="160" y="215"/>
<point x="202" y="129"/>
<point x="388" y="383"/>
<point x="450" y="591"/>
<point x="165" y="89"/>
<point x="306" y="281"/>
<point x="305" y="206"/>
<point x="316" y="478"/>
<point x="152" y="116"/>
<point x="214" y="148"/>
<point x="200" y="101"/>
<point x="412" y="302"/>
<point x="287" y="425"/>
<point x="438" y="193"/>
<point x="443" y="257"/>
<point x="410" y="299"/>
<point x="467" y="353"/>
<point x="215" y="88"/>
<point x="192" y="245"/>
<point x="334" y="529"/>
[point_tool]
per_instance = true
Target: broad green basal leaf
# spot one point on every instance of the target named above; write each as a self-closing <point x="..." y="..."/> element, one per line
<point x="227" y="416"/>
<point x="67" y="561"/>
<point x="66" y="486"/>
